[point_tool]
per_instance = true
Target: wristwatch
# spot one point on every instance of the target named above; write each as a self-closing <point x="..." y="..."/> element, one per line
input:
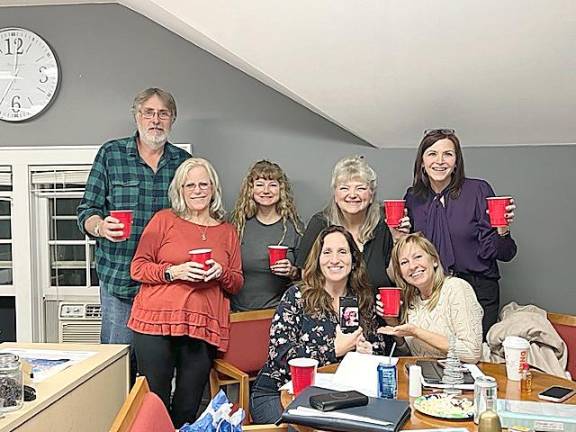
<point x="168" y="275"/>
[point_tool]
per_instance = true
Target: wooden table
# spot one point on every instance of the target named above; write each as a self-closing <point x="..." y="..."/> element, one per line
<point x="84" y="397"/>
<point x="506" y="390"/>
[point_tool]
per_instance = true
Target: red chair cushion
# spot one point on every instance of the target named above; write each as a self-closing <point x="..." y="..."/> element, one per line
<point x="568" y="335"/>
<point x="248" y="349"/>
<point x="152" y="416"/>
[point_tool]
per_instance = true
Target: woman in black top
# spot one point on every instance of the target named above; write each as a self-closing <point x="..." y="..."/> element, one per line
<point x="353" y="205"/>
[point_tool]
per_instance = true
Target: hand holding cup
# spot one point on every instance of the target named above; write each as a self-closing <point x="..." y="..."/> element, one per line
<point x="282" y="267"/>
<point x="117" y="226"/>
<point x="214" y="272"/>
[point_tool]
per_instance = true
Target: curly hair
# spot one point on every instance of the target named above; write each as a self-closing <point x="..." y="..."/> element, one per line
<point x="315" y="297"/>
<point x="246" y="208"/>
<point x="409" y="291"/>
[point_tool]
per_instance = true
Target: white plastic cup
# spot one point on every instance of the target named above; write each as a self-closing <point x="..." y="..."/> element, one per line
<point x="516" y="353"/>
<point x="415" y="381"/>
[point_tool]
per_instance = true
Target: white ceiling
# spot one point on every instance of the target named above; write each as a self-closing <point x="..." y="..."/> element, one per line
<point x="499" y="72"/>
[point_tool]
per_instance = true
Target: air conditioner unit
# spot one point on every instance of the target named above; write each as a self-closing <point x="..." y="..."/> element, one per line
<point x="79" y="323"/>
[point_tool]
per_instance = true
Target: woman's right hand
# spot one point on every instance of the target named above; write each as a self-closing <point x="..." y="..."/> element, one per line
<point x="189" y="271"/>
<point x="345" y="342"/>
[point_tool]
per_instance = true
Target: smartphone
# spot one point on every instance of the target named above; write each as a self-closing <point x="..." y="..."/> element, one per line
<point x="338" y="400"/>
<point x="556" y="394"/>
<point x="349" y="314"/>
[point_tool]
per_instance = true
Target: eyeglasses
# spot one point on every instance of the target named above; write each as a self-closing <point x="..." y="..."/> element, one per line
<point x="446" y="132"/>
<point x="150" y="113"/>
<point x="192" y="186"/>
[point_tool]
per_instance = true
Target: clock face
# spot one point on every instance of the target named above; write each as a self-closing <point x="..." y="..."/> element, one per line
<point x="29" y="74"/>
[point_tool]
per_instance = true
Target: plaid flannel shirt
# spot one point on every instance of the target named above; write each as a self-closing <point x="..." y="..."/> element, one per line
<point x="121" y="180"/>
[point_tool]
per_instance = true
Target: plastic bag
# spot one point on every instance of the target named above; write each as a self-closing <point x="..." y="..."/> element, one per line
<point x="216" y="417"/>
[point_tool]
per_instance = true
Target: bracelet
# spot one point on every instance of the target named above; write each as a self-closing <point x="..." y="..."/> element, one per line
<point x="97" y="228"/>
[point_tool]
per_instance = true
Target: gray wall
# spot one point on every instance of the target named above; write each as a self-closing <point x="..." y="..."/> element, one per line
<point x="109" y="53"/>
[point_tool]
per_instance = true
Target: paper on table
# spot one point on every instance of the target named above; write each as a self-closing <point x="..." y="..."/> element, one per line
<point x="311" y="412"/>
<point x="474" y="371"/>
<point x="358" y="372"/>
<point x="46" y="363"/>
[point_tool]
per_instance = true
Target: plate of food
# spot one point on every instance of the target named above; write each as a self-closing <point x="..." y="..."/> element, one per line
<point x="445" y="406"/>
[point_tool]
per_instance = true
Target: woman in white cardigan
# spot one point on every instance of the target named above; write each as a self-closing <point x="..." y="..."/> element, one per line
<point x="435" y="306"/>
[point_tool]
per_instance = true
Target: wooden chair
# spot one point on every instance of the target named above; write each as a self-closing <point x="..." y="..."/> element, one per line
<point x="247" y="353"/>
<point x="142" y="411"/>
<point x="565" y="325"/>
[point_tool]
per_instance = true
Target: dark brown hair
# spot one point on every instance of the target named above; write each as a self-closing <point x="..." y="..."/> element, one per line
<point x="421" y="183"/>
<point x="312" y="284"/>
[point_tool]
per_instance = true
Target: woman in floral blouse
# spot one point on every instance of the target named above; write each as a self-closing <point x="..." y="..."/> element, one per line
<point x="306" y="323"/>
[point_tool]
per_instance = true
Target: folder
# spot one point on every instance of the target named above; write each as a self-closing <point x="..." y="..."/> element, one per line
<point x="380" y="415"/>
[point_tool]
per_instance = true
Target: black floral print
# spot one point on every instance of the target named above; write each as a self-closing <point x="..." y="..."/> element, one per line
<point x="294" y="333"/>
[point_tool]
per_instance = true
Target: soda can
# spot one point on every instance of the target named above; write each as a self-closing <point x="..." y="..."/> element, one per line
<point x="387" y="380"/>
<point x="485" y="394"/>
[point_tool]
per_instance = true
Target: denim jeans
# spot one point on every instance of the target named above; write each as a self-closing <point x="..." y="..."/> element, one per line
<point x="265" y="405"/>
<point x="115" y="315"/>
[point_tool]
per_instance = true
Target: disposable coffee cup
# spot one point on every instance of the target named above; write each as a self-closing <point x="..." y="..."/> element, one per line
<point x="394" y="211"/>
<point x="390" y="297"/>
<point x="201" y="256"/>
<point x="303" y="372"/>
<point x="124" y="217"/>
<point x="516" y="353"/>
<point x="277" y="253"/>
<point x="497" y="210"/>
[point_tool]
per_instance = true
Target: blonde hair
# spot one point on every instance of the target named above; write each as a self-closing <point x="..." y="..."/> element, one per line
<point x="175" y="194"/>
<point x="315" y="297"/>
<point x="409" y="291"/>
<point x="247" y="208"/>
<point x="349" y="168"/>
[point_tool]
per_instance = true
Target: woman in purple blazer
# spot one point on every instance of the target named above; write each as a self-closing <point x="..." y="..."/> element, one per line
<point x="450" y="210"/>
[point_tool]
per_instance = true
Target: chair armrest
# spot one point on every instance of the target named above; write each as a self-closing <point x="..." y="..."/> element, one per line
<point x="225" y="368"/>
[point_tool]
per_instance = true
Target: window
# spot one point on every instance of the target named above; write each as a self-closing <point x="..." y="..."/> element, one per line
<point x="68" y="255"/>
<point x="5" y="226"/>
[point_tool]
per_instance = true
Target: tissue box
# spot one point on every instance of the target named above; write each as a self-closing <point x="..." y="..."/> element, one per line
<point x="540" y="416"/>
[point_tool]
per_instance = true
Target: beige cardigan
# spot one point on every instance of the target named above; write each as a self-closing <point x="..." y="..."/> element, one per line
<point x="457" y="312"/>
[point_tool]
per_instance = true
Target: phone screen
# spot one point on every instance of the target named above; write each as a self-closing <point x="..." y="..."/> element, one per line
<point x="349" y="314"/>
<point x="556" y="392"/>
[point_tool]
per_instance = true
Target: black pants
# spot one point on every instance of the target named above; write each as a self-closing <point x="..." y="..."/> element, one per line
<point x="488" y="295"/>
<point x="158" y="356"/>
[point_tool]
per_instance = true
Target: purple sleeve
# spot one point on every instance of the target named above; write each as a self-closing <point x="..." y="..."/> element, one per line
<point x="491" y="245"/>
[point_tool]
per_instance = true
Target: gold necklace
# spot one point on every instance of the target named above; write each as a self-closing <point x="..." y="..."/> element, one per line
<point x="203" y="236"/>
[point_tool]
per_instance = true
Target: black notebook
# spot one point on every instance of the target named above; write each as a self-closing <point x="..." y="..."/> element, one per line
<point x="390" y="413"/>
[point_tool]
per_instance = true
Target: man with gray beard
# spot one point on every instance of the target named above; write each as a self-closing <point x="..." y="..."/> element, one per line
<point x="131" y="173"/>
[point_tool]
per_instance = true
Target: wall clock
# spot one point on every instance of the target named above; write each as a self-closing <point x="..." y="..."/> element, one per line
<point x="29" y="75"/>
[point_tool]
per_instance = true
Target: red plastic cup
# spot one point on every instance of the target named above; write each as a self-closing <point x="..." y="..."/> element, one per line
<point x="394" y="211"/>
<point x="497" y="209"/>
<point x="390" y="297"/>
<point x="201" y="256"/>
<point x="303" y="372"/>
<point x="277" y="253"/>
<point x="125" y="217"/>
